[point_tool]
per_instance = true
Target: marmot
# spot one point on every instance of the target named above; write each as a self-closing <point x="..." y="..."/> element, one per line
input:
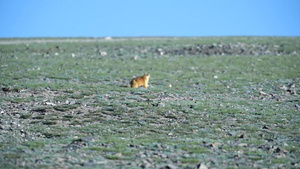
<point x="139" y="81"/>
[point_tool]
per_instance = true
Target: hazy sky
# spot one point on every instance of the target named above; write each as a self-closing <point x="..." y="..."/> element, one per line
<point x="100" y="18"/>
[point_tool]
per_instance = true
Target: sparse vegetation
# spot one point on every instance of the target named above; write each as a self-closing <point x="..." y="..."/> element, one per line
<point x="62" y="105"/>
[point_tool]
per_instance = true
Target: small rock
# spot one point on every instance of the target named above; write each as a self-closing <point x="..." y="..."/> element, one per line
<point x="160" y="104"/>
<point x="119" y="154"/>
<point x="102" y="53"/>
<point x="6" y="89"/>
<point x="160" y="51"/>
<point x="169" y="166"/>
<point x="72" y="102"/>
<point x="202" y="166"/>
<point x="263" y="93"/>
<point x="265" y="127"/>
<point x="292" y="85"/>
<point x="142" y="122"/>
<point x="215" y="145"/>
<point x="136" y="57"/>
<point x="283" y="87"/>
<point x="146" y="163"/>
<point x="242" y="136"/>
<point x="88" y="138"/>
<point x="276" y="150"/>
<point x="50" y="104"/>
<point x="242" y="145"/>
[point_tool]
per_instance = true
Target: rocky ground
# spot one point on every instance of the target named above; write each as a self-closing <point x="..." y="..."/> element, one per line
<point x="63" y="107"/>
<point x="228" y="49"/>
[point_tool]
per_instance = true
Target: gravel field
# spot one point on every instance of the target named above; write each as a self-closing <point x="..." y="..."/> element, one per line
<point x="212" y="102"/>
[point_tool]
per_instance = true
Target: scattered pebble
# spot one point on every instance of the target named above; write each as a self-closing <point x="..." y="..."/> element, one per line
<point x="103" y="53"/>
<point x="202" y="166"/>
<point x="160" y="104"/>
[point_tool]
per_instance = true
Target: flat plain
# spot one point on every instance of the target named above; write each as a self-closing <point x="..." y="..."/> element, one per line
<point x="212" y="102"/>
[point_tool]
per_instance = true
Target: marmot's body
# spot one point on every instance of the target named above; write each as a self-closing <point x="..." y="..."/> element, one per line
<point x="140" y="81"/>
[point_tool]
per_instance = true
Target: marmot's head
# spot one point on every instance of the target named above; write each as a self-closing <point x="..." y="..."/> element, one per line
<point x="147" y="75"/>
